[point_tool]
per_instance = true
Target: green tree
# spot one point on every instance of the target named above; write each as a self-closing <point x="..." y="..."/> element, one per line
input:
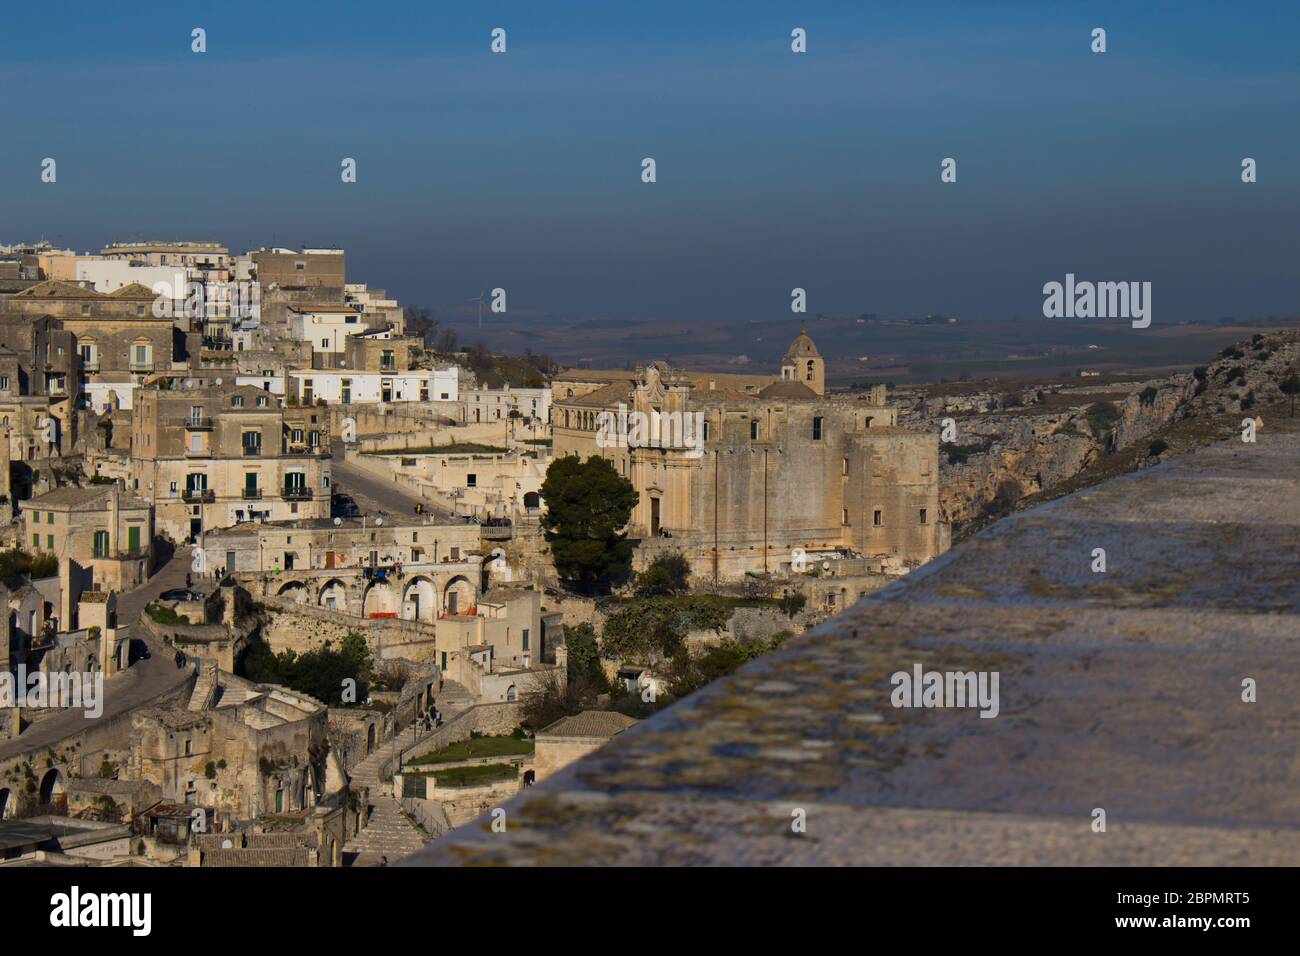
<point x="587" y="505"/>
<point x="584" y="655"/>
<point x="1291" y="387"/>
<point x="668" y="574"/>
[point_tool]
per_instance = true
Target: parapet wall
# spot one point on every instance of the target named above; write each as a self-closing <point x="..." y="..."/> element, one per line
<point x="1144" y="714"/>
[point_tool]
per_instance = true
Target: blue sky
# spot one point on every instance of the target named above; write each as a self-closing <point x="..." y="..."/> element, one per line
<point x="775" y="170"/>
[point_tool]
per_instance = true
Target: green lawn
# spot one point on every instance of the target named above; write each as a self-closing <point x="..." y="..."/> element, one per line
<point x="502" y="746"/>
<point x="475" y="776"/>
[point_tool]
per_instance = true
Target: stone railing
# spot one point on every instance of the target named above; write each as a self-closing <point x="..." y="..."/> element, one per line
<point x="1127" y="691"/>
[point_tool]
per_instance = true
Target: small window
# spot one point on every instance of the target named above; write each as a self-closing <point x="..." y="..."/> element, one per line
<point x="237" y="401"/>
<point x="878" y="518"/>
<point x="924" y="516"/>
<point x="817" y="429"/>
<point x="471" y="481"/>
<point x="844" y="516"/>
<point x="525" y="638"/>
<point x="753" y="430"/>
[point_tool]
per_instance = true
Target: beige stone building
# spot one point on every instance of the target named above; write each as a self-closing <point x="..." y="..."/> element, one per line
<point x="745" y="473"/>
<point x="99" y="527"/>
<point x="571" y="738"/>
<point x="214" y="457"/>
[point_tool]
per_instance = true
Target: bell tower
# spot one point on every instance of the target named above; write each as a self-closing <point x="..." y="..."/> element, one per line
<point x="803" y="363"/>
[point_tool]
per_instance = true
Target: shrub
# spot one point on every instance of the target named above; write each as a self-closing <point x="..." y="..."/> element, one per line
<point x="667" y="575"/>
<point x="792" y="603"/>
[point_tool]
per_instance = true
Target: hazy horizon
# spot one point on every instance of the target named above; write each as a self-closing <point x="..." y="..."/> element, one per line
<point x="775" y="170"/>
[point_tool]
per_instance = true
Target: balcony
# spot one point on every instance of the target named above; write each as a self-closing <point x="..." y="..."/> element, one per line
<point x="198" y="496"/>
<point x="198" y="424"/>
<point x="141" y="367"/>
<point x="297" y="494"/>
<point x="252" y="451"/>
<point x="252" y="494"/>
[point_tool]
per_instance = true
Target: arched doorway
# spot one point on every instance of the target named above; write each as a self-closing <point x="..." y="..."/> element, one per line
<point x="380" y="601"/>
<point x="333" y="596"/>
<point x="420" y="600"/>
<point x="511" y="694"/>
<point x="458" y="596"/>
<point x="52" y="786"/>
<point x="296" y="592"/>
<point x="370" y="739"/>
<point x="6" y="811"/>
<point x="532" y="501"/>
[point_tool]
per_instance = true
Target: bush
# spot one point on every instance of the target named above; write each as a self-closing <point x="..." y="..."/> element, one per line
<point x="667" y="575"/>
<point x="210" y="771"/>
<point x="319" y="673"/>
<point x="792" y="603"/>
<point x="652" y="629"/>
<point x="584" y="655"/>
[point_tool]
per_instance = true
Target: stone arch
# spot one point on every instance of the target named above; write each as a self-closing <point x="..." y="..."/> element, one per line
<point x="532" y="500"/>
<point x="458" y="595"/>
<point x="333" y="590"/>
<point x="51" y="785"/>
<point x="420" y="600"/>
<point x="512" y="694"/>
<point x="381" y="600"/>
<point x="295" y="591"/>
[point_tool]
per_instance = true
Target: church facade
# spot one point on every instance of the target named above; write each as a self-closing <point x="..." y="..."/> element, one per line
<point x="743" y="473"/>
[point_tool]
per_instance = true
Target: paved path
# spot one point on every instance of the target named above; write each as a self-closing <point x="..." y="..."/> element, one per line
<point x="138" y="685"/>
<point x="1120" y="691"/>
<point x="374" y="495"/>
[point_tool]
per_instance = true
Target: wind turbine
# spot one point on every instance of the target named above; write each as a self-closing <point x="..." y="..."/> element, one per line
<point x="479" y="300"/>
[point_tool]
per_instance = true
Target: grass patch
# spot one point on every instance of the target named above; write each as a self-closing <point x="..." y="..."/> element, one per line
<point x="165" y="615"/>
<point x="496" y="746"/>
<point x="458" y="448"/>
<point x="475" y="776"/>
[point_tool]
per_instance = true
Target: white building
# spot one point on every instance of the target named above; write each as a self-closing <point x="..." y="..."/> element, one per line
<point x="495" y="404"/>
<point x="351" y="387"/>
<point x="328" y="329"/>
<point x="109" y="275"/>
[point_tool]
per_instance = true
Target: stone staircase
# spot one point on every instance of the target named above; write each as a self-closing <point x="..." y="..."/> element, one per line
<point x="389" y="832"/>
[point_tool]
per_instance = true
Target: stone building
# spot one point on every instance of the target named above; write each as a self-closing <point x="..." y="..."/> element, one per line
<point x="308" y="269"/>
<point x="213" y="457"/>
<point x="571" y="738"/>
<point x="245" y="750"/>
<point x="99" y="527"/>
<point x="745" y="473"/>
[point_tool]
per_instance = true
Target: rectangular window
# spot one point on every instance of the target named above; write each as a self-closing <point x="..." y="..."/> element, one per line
<point x="471" y="481"/>
<point x="101" y="544"/>
<point x="924" y="516"/>
<point x="878" y="518"/>
<point x="753" y="430"/>
<point x="817" y="428"/>
<point x="525" y="638"/>
<point x="133" y="539"/>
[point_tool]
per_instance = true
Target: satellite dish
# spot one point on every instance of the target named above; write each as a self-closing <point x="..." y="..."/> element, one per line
<point x="337" y="522"/>
<point x="826" y="565"/>
<point x="379" y="521"/>
<point x="216" y="381"/>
